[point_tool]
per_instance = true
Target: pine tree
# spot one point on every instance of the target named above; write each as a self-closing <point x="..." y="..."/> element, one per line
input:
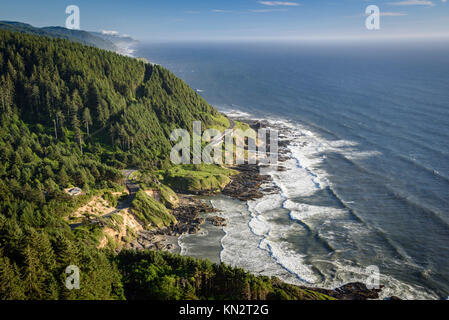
<point x="35" y="99"/>
<point x="60" y="120"/>
<point x="87" y="119"/>
<point x="63" y="178"/>
<point x="77" y="102"/>
<point x="11" y="287"/>
<point x="11" y="71"/>
<point x="55" y="128"/>
<point x="6" y="94"/>
<point x="78" y="132"/>
<point x="32" y="270"/>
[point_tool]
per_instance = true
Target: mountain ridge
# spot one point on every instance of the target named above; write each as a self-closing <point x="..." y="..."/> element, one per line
<point x="96" y="39"/>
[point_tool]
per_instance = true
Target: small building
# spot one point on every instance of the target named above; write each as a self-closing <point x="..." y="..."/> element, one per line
<point x="74" y="191"/>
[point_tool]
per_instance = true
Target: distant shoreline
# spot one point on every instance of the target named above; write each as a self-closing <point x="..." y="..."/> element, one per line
<point x="126" y="49"/>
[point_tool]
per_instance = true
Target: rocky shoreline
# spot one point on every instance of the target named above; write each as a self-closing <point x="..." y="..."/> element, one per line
<point x="189" y="222"/>
<point x="245" y="185"/>
<point x="248" y="184"/>
<point x="352" y="291"/>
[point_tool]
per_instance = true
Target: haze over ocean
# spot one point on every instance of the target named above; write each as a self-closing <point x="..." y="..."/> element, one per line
<point x="369" y="182"/>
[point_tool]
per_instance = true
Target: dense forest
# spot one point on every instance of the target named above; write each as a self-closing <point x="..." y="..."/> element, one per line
<point x="158" y="275"/>
<point x="72" y="115"/>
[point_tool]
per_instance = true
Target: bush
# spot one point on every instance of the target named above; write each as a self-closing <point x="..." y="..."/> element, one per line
<point x="151" y="212"/>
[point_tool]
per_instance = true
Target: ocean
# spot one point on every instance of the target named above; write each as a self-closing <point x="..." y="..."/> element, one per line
<point x="367" y="183"/>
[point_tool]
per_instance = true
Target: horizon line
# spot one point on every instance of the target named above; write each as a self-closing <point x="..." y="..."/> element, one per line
<point x="405" y="37"/>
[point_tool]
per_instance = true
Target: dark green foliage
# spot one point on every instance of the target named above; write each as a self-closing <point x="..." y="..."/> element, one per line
<point x="165" y="276"/>
<point x="33" y="263"/>
<point x="36" y="245"/>
<point x="86" y="95"/>
<point x="113" y="201"/>
<point x="35" y="168"/>
<point x="72" y="115"/>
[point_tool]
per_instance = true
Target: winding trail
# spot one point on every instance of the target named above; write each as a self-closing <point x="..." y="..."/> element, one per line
<point x="132" y="188"/>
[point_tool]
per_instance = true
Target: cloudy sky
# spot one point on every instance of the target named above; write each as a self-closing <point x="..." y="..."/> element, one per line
<point x="240" y="19"/>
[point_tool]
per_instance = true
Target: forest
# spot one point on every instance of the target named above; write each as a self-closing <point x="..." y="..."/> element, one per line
<point x="73" y="115"/>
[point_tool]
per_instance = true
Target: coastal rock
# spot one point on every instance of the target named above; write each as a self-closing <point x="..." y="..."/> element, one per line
<point x="283" y="158"/>
<point x="352" y="291"/>
<point x="217" y="221"/>
<point x="188" y="222"/>
<point x="246" y="185"/>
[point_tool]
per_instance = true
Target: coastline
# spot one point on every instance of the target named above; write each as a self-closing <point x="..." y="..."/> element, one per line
<point x="368" y="242"/>
<point x="306" y="221"/>
<point x="175" y="243"/>
<point x="239" y="226"/>
<point x="201" y="220"/>
<point x="126" y="49"/>
<point x="246" y="242"/>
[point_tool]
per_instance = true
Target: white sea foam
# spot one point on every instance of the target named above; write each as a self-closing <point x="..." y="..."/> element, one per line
<point x="258" y="235"/>
<point x="248" y="243"/>
<point x="347" y="272"/>
<point x="259" y="226"/>
<point x="302" y="178"/>
<point x="126" y="49"/>
<point x="182" y="245"/>
<point x="290" y="260"/>
<point x="233" y="113"/>
<point x="305" y="213"/>
<point x="240" y="244"/>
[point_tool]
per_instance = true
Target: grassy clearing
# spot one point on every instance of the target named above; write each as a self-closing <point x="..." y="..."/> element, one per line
<point x="147" y="180"/>
<point x="195" y="178"/>
<point x="151" y="212"/>
<point x="221" y="122"/>
<point x="241" y="125"/>
<point x="169" y="198"/>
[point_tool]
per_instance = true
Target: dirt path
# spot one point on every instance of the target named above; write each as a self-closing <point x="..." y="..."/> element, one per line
<point x="132" y="188"/>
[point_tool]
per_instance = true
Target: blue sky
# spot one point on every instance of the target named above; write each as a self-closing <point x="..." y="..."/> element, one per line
<point x="240" y="19"/>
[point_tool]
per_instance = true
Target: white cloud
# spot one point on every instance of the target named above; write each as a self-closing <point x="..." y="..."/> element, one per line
<point x="382" y="14"/>
<point x="412" y="3"/>
<point x="279" y="3"/>
<point x="110" y="32"/>
<point x="392" y="14"/>
<point x="267" y="10"/>
<point x="220" y="11"/>
<point x="115" y="34"/>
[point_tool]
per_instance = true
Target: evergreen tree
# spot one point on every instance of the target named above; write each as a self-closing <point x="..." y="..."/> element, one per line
<point x="49" y="89"/>
<point x="11" y="285"/>
<point x="87" y="119"/>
